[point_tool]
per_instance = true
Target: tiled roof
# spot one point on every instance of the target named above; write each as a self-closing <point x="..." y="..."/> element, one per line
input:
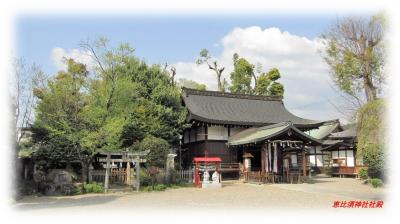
<point x="324" y="130"/>
<point x="255" y="135"/>
<point x="239" y="109"/>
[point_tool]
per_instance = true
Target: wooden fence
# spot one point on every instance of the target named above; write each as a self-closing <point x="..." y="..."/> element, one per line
<point x="118" y="175"/>
<point x="185" y="175"/>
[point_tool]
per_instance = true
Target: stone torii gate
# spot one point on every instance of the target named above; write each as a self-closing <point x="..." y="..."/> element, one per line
<point x="127" y="157"/>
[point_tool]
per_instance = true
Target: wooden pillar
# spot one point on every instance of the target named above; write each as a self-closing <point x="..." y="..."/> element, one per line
<point x="106" y="178"/>
<point x="128" y="172"/>
<point x="137" y="166"/>
<point x="263" y="158"/>
<point x="303" y="153"/>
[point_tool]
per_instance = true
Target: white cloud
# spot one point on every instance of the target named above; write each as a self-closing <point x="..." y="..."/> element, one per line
<point x="304" y="73"/>
<point x="59" y="56"/>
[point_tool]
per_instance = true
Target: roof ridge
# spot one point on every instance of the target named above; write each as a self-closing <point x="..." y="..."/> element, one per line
<point x="189" y="91"/>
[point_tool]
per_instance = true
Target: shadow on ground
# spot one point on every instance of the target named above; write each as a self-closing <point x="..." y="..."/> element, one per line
<point x="62" y="202"/>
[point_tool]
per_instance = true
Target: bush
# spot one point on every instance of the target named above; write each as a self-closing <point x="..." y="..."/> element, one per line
<point x="157" y="187"/>
<point x="160" y="187"/>
<point x="159" y="149"/>
<point x="77" y="191"/>
<point x="363" y="173"/>
<point x="145" y="178"/>
<point x="93" y="188"/>
<point x="376" y="182"/>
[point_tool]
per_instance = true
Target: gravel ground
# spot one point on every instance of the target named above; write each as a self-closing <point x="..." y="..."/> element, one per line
<point x="233" y="195"/>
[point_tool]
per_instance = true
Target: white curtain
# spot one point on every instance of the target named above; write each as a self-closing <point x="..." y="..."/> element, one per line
<point x="269" y="157"/>
<point x="275" y="159"/>
<point x="266" y="160"/>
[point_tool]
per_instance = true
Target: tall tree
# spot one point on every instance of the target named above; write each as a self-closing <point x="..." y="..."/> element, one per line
<point x="60" y="122"/>
<point x="267" y="84"/>
<point x="371" y="140"/>
<point x="205" y="57"/>
<point x="142" y="101"/>
<point x="25" y="81"/>
<point x="355" y="55"/>
<point x="123" y="102"/>
<point x="241" y="75"/>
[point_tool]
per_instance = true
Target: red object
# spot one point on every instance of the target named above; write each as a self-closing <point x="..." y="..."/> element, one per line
<point x="202" y="160"/>
<point x="207" y="159"/>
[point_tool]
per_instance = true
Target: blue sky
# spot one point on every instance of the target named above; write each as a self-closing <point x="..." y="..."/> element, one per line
<point x="157" y="39"/>
<point x="286" y="41"/>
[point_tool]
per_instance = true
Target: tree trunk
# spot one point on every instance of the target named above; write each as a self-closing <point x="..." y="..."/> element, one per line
<point x="85" y="171"/>
<point x="219" y="82"/>
<point x="370" y="89"/>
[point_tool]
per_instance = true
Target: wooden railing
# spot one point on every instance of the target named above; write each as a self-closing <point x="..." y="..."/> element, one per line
<point x="346" y="171"/>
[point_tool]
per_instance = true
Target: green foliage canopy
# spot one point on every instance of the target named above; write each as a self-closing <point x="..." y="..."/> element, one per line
<point x="267" y="84"/>
<point x="355" y="53"/>
<point x="191" y="84"/>
<point x="371" y="136"/>
<point x="113" y="110"/>
<point x="159" y="149"/>
<point x="241" y="76"/>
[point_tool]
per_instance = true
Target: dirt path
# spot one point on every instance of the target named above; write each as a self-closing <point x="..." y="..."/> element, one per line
<point x="232" y="196"/>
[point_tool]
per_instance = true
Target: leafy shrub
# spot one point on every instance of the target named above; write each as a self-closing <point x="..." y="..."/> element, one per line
<point x="146" y="188"/>
<point x="159" y="149"/>
<point x="363" y="173"/>
<point x="145" y="178"/>
<point x="93" y="188"/>
<point x="77" y="190"/>
<point x="376" y="182"/>
<point x="157" y="187"/>
<point x="160" y="187"/>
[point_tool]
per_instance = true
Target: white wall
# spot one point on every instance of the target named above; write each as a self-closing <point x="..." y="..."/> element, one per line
<point x="320" y="161"/>
<point x="350" y="158"/>
<point x="341" y="154"/>
<point x="217" y="133"/>
<point x="312" y="160"/>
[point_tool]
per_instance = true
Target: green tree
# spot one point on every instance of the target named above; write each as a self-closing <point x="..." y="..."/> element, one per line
<point x="267" y="84"/>
<point x="241" y="75"/>
<point x="60" y="123"/>
<point x="159" y="149"/>
<point x="205" y="57"/>
<point x="191" y="84"/>
<point x="355" y="54"/>
<point x="142" y="98"/>
<point x="124" y="101"/>
<point x="371" y="136"/>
